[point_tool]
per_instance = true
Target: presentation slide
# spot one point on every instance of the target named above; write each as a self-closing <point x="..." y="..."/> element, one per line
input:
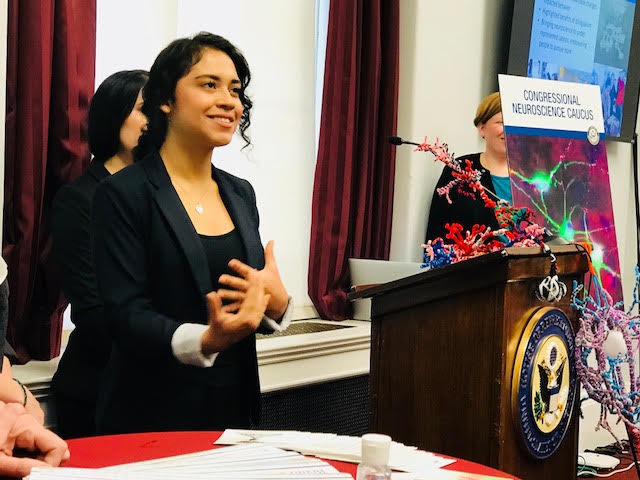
<point x="585" y="41"/>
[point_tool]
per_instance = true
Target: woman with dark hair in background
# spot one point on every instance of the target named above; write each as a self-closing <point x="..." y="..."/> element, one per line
<point x="115" y="122"/>
<point x="492" y="163"/>
<point x="179" y="261"/>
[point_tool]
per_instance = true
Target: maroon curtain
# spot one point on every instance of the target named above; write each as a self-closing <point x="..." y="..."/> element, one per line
<point x="50" y="80"/>
<point x="353" y="190"/>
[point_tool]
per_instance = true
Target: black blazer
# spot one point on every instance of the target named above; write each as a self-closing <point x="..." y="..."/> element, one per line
<point x="464" y="210"/>
<point x="153" y="275"/>
<point x="87" y="352"/>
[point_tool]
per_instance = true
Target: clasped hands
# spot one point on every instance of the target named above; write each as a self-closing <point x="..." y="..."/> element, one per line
<point x="249" y="296"/>
<point x="20" y="430"/>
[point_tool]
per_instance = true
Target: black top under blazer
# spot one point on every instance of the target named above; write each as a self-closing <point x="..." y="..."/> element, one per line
<point x="153" y="275"/>
<point x="464" y="210"/>
<point x="81" y="366"/>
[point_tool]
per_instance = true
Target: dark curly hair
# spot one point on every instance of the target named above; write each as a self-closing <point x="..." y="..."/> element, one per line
<point x="110" y="106"/>
<point x="173" y="63"/>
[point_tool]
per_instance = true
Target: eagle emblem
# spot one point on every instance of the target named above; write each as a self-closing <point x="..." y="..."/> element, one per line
<point x="550" y="397"/>
<point x="543" y="383"/>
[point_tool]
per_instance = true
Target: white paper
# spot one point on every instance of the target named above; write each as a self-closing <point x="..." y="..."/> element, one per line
<point x="334" y="447"/>
<point x="250" y="461"/>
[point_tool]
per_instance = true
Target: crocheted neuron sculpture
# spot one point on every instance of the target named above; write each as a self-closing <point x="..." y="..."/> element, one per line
<point x="517" y="228"/>
<point x="606" y="352"/>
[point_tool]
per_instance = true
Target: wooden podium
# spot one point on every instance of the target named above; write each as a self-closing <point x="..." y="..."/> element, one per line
<point x="443" y="346"/>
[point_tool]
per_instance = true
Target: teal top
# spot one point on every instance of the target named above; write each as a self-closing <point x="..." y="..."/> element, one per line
<point x="502" y="187"/>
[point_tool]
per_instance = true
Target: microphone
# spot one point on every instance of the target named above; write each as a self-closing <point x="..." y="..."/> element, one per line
<point x="400" y="141"/>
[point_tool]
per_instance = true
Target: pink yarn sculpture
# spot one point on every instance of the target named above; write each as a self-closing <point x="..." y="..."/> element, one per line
<point x="517" y="226"/>
<point x="612" y="335"/>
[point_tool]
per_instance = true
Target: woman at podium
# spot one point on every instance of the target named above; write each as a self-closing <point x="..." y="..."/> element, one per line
<point x="492" y="163"/>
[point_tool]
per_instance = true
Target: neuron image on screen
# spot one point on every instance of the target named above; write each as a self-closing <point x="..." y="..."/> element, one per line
<point x="565" y="182"/>
<point x="585" y="41"/>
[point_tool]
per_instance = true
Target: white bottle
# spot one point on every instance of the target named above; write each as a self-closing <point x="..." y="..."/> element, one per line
<point x="375" y="458"/>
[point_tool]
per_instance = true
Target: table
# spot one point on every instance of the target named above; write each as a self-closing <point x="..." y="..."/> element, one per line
<point x="116" y="449"/>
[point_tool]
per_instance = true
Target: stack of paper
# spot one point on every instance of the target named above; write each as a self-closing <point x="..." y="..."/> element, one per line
<point x="266" y="454"/>
<point x="251" y="461"/>
<point x="335" y="447"/>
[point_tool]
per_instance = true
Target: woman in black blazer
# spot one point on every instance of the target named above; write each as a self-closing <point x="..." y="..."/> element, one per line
<point x="179" y="261"/>
<point x="115" y="124"/>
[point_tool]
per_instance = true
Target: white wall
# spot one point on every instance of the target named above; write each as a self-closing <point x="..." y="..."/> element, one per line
<point x="280" y="51"/>
<point x="624" y="213"/>
<point x="130" y="33"/>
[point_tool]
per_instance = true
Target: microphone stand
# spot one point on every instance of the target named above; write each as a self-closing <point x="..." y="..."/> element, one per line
<point x="400" y="141"/>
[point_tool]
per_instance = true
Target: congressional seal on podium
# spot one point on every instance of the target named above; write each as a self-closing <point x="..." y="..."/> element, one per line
<point x="544" y="382"/>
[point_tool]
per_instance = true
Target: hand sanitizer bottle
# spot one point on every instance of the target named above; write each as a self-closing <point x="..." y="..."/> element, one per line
<point x="375" y="458"/>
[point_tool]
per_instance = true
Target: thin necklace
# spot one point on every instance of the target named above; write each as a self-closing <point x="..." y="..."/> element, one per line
<point x="198" y="206"/>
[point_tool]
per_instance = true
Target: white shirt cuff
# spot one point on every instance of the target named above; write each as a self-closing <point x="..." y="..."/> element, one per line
<point x="284" y="321"/>
<point x="187" y="348"/>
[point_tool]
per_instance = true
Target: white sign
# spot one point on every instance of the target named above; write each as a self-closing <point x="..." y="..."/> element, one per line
<point x="531" y="106"/>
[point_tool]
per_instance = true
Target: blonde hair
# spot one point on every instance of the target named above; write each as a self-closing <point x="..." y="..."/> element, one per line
<point x="489" y="106"/>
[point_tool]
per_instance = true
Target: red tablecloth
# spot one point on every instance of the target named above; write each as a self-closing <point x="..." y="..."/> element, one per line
<point x="135" y="447"/>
